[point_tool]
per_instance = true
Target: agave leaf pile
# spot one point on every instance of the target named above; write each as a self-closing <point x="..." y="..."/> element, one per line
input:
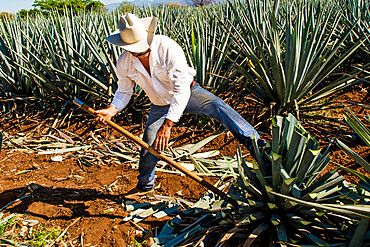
<point x="284" y="199"/>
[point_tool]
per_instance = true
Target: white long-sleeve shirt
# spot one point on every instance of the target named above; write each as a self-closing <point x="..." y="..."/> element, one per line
<point x="168" y="84"/>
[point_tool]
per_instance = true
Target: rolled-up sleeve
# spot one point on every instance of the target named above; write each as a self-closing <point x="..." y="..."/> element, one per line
<point x="124" y="90"/>
<point x="181" y="76"/>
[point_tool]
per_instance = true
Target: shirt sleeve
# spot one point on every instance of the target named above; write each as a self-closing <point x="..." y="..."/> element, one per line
<point x="125" y="88"/>
<point x="181" y="76"/>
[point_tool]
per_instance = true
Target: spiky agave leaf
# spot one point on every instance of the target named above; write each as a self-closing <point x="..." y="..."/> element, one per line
<point x="364" y="133"/>
<point x="288" y="201"/>
<point x="358" y="126"/>
<point x="354" y="155"/>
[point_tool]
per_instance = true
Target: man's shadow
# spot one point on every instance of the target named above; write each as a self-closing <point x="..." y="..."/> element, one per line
<point x="68" y="198"/>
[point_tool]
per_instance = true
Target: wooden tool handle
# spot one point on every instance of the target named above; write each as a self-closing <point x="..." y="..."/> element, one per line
<point x="158" y="154"/>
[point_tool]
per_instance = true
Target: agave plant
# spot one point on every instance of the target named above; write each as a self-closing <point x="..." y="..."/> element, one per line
<point x="357" y="13"/>
<point x="286" y="50"/>
<point x="61" y="58"/>
<point x="209" y="49"/>
<point x="363" y="185"/>
<point x="284" y="199"/>
<point x="67" y="56"/>
<point x="205" y="45"/>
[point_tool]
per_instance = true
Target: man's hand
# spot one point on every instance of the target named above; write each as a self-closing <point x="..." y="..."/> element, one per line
<point x="106" y="114"/>
<point x="163" y="136"/>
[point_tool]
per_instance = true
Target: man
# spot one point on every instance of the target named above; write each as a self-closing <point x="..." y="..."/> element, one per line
<point x="158" y="65"/>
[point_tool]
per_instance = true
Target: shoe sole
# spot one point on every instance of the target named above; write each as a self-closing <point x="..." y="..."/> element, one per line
<point x="149" y="193"/>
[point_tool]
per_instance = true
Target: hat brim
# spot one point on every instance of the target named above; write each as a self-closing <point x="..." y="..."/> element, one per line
<point x="150" y="24"/>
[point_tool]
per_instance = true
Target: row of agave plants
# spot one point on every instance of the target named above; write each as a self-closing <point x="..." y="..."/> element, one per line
<point x="282" y="53"/>
<point x="287" y="55"/>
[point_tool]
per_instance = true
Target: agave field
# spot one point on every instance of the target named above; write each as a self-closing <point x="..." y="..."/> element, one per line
<point x="297" y="70"/>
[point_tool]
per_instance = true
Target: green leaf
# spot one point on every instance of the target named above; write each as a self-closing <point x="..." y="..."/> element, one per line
<point x="289" y="185"/>
<point x="328" y="207"/>
<point x="148" y="212"/>
<point x="359" y="235"/>
<point x="256" y="232"/>
<point x="362" y="131"/>
<point x="276" y="169"/>
<point x="353" y="155"/>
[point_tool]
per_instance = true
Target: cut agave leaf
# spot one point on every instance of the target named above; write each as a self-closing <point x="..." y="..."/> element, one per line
<point x="148" y="212"/>
<point x="66" y="150"/>
<point x="206" y="154"/>
<point x="276" y="169"/>
<point x="192" y="148"/>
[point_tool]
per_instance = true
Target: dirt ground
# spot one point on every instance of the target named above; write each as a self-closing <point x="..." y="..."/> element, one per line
<point x="63" y="192"/>
<point x="87" y="200"/>
<point x="59" y="199"/>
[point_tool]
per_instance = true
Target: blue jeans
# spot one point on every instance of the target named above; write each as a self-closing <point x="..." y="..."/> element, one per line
<point x="201" y="102"/>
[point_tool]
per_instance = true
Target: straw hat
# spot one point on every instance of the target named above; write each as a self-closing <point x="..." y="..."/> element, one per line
<point x="134" y="34"/>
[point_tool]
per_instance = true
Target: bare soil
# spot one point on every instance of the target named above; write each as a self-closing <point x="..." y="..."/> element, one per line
<point x="88" y="199"/>
<point x="65" y="191"/>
